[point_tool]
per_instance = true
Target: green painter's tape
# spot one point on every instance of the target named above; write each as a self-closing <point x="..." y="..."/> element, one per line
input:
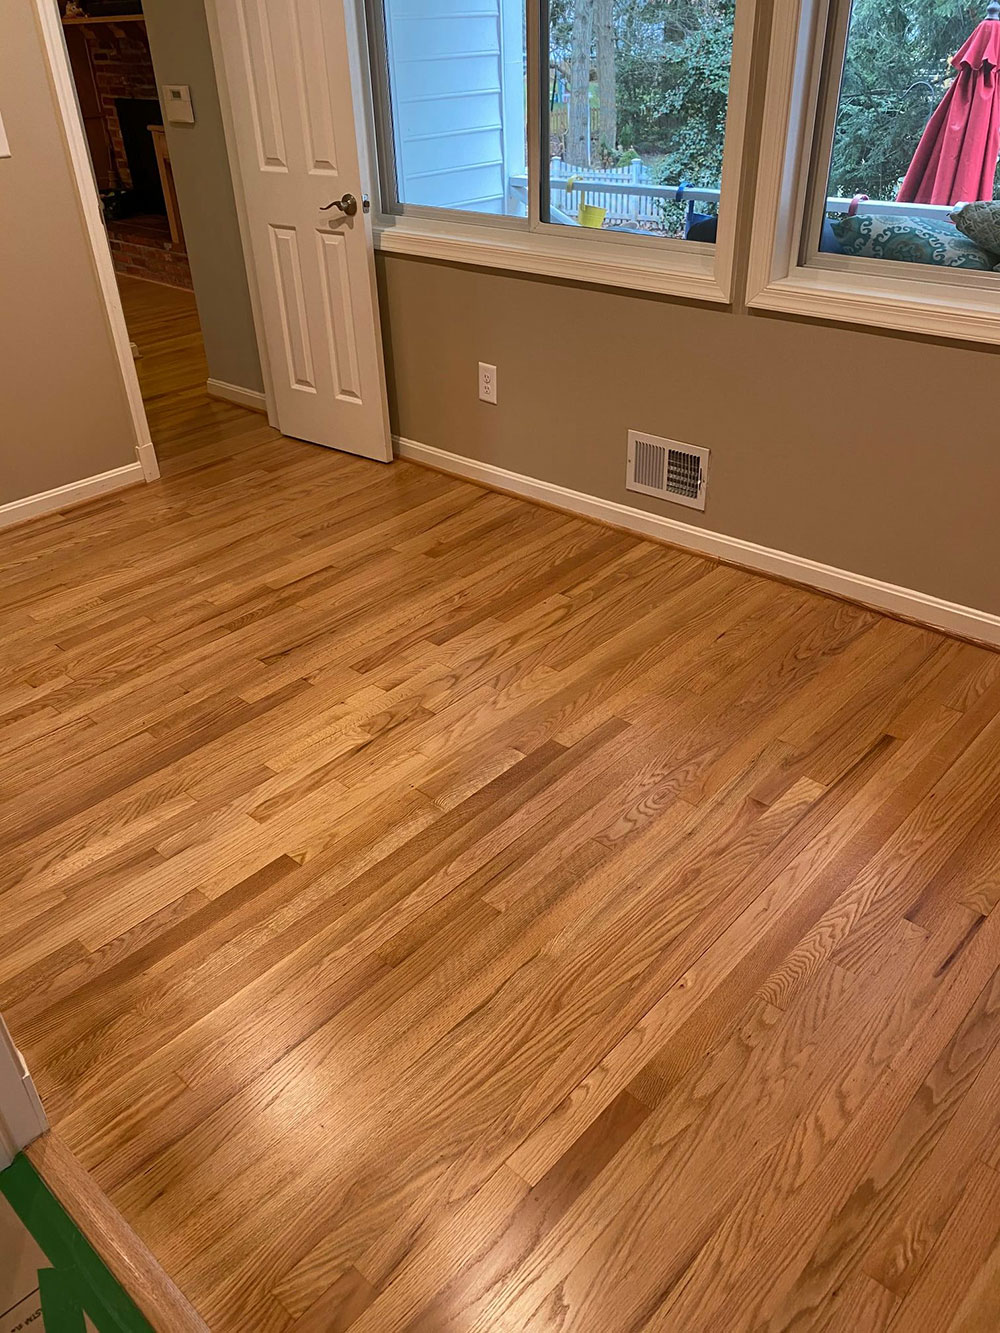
<point x="62" y="1307"/>
<point x="78" y="1280"/>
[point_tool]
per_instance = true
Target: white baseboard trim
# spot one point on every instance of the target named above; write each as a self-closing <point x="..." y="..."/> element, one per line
<point x="965" y="621"/>
<point x="148" y="461"/>
<point x="46" y="502"/>
<point x="232" y="393"/>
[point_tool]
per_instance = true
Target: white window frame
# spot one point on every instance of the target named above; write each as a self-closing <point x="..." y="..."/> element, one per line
<point x="786" y="275"/>
<point x="696" y="270"/>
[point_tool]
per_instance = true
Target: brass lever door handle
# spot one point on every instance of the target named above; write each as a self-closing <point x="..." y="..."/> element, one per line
<point x="347" y="205"/>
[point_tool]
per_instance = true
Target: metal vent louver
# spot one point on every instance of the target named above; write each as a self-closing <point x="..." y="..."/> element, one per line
<point x="677" y="472"/>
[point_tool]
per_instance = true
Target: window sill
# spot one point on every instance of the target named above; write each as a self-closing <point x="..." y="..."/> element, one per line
<point x="674" y="271"/>
<point x="937" y="309"/>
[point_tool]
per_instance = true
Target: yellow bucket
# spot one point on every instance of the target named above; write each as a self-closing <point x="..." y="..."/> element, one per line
<point x="590" y="215"/>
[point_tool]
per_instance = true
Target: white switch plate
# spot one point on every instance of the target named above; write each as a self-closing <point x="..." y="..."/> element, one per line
<point x="487" y="383"/>
<point x="4" y="145"/>
<point x="177" y="104"/>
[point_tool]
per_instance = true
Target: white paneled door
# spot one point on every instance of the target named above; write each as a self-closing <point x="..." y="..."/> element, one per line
<point x="289" y="77"/>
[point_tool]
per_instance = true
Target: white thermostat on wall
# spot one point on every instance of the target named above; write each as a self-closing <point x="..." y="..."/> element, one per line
<point x="177" y="104"/>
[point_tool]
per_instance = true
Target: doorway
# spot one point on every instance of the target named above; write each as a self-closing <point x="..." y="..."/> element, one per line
<point x="167" y="210"/>
<point x="279" y="280"/>
<point x="112" y="67"/>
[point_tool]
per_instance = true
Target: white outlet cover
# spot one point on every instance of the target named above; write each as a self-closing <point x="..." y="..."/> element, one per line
<point x="488" y="390"/>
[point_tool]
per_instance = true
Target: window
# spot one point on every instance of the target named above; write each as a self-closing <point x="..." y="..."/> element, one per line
<point x="634" y="114"/>
<point x="608" y="121"/>
<point x="909" y="141"/>
<point x="879" y="164"/>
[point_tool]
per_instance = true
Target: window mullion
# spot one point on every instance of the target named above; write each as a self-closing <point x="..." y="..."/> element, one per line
<point x="834" y="23"/>
<point x="536" y="41"/>
<point x="375" y="27"/>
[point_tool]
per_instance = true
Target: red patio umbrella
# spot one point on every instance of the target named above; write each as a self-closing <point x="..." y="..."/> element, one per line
<point x="956" y="158"/>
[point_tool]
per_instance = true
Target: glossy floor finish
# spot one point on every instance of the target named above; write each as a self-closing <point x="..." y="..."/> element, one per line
<point x="422" y="910"/>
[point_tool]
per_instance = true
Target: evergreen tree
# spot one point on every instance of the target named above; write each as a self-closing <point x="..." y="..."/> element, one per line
<point x="669" y="83"/>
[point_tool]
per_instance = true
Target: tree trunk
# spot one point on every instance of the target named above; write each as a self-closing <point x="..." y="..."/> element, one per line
<point x="607" y="91"/>
<point x="578" y="148"/>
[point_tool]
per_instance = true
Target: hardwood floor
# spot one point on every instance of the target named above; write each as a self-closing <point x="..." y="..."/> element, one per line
<point x="424" y="911"/>
<point x="188" y="427"/>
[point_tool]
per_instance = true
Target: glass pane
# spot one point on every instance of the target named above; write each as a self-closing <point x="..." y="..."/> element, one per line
<point x="457" y="92"/>
<point x="636" y="110"/>
<point x="916" y="135"/>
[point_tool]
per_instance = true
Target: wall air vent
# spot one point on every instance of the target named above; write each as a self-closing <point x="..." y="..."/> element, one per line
<point x="677" y="472"/>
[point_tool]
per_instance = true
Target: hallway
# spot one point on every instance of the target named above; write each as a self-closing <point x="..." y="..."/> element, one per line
<point x="425" y="910"/>
<point x="187" y="425"/>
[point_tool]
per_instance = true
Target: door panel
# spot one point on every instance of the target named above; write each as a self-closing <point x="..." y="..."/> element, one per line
<point x="258" y="71"/>
<point x="318" y="114"/>
<point x="289" y="75"/>
<point x="340" y="316"/>
<point x="292" y="309"/>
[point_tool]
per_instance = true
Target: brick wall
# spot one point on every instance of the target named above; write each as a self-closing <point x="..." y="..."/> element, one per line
<point x="122" y="67"/>
<point x="120" y="59"/>
<point x="139" y="254"/>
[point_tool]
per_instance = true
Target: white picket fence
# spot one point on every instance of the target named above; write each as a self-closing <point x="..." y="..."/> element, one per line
<point x="619" y="207"/>
<point x="627" y="194"/>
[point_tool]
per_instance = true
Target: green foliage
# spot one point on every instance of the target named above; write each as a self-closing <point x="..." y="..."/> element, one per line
<point x="673" y="78"/>
<point x="895" y="73"/>
<point x="672" y="81"/>
<point x="612" y="157"/>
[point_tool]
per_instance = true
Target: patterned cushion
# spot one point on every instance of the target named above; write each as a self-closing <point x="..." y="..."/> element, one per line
<point x="981" y="223"/>
<point x="910" y="240"/>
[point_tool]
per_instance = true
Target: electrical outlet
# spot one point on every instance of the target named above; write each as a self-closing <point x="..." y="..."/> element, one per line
<point x="487" y="383"/>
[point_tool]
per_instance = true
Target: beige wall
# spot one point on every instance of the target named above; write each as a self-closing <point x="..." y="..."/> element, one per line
<point x="63" y="412"/>
<point x="875" y="453"/>
<point x="178" y="39"/>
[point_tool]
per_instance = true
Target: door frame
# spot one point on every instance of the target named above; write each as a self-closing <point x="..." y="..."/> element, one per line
<point x="22" y="1119"/>
<point x="56" y="57"/>
<point x="239" y="195"/>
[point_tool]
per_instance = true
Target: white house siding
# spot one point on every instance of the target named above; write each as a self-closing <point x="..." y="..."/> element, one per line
<point x="448" y="72"/>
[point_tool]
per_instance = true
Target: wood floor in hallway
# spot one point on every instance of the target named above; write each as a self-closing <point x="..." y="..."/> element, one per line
<point x="426" y="911"/>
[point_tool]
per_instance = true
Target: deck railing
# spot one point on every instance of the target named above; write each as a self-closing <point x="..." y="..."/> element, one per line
<point x="629" y="195"/>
